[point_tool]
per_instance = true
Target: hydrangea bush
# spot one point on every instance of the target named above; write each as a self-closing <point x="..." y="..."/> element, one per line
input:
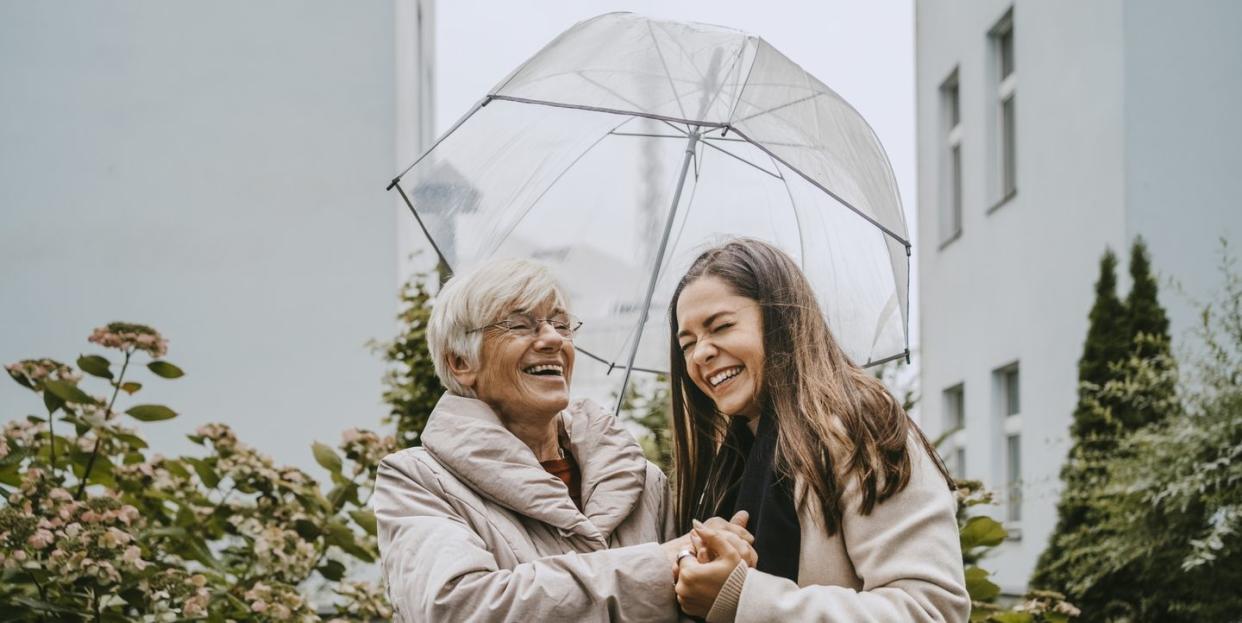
<point x="94" y="526"/>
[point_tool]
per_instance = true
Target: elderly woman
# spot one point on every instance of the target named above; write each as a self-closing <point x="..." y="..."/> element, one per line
<point x="519" y="505"/>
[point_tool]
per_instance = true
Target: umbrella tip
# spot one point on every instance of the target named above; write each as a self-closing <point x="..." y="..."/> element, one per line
<point x="394" y="183"/>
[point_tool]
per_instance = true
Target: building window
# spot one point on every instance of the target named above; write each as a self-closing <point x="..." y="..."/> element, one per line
<point x="955" y="430"/>
<point x="1009" y="402"/>
<point x="1005" y="104"/>
<point x="951" y="169"/>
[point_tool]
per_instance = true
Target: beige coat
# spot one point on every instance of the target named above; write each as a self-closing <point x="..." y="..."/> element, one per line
<point x="471" y="528"/>
<point x="900" y="564"/>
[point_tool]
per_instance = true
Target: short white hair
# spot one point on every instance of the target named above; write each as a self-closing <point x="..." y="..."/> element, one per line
<point x="477" y="298"/>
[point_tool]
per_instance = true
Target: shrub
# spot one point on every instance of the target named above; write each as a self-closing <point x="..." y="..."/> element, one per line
<point x="95" y="526"/>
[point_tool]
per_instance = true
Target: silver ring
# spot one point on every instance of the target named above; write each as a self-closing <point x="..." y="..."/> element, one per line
<point x="682" y="554"/>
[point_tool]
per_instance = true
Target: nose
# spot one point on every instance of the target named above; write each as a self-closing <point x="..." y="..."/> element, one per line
<point x="547" y="339"/>
<point x="703" y="352"/>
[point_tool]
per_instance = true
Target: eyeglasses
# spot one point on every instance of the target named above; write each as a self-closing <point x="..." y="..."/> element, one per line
<point x="526" y="325"/>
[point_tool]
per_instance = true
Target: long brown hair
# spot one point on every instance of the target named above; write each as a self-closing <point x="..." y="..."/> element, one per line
<point x="835" y="421"/>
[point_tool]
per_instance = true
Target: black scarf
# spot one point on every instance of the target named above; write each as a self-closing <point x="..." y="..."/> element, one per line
<point x="755" y="487"/>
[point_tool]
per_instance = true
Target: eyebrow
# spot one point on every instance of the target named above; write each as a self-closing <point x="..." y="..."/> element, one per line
<point x="558" y="309"/>
<point x="710" y="319"/>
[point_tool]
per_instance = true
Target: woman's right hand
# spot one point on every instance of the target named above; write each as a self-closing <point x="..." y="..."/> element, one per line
<point x="698" y="584"/>
<point x="690" y="540"/>
<point x="735" y="526"/>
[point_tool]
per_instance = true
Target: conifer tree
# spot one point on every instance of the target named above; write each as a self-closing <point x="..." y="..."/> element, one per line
<point x="1108" y="341"/>
<point x="1113" y="402"/>
<point x="1148" y="328"/>
<point x="1143" y="311"/>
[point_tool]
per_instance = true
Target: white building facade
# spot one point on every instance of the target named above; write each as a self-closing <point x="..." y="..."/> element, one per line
<point x="216" y="170"/>
<point x="1047" y="132"/>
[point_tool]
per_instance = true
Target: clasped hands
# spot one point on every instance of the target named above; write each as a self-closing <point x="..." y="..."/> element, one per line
<point x="717" y="547"/>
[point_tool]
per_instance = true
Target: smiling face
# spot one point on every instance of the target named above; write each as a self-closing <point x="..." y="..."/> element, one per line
<point x="522" y="376"/>
<point x="721" y="338"/>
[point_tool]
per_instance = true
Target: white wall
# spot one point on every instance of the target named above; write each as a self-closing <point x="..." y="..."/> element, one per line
<point x="1183" y="81"/>
<point x="1017" y="285"/>
<point x="216" y="170"/>
<point x="1126" y="127"/>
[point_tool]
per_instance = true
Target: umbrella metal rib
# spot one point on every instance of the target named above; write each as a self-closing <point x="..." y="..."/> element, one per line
<point x="659" y="261"/>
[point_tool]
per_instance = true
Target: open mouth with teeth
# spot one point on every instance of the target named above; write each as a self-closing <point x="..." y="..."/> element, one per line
<point x="545" y="369"/>
<point x="722" y="377"/>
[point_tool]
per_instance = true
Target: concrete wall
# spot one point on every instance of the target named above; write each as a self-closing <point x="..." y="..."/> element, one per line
<point x="1016" y="286"/>
<point x="1183" y="190"/>
<point x="216" y="170"/>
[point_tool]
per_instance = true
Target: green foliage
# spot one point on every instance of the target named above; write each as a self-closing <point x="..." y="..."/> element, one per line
<point x="1117" y="333"/>
<point x="411" y="387"/>
<point x="980" y="534"/>
<point x="647" y="404"/>
<point x="94" y="528"/>
<point x="1170" y="508"/>
<point x="1144" y="315"/>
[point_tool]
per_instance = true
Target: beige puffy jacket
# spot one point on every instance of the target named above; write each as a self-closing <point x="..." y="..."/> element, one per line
<point x="902" y="563"/>
<point x="472" y="528"/>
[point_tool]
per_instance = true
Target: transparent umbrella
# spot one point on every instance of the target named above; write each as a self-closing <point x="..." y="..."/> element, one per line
<point x="627" y="145"/>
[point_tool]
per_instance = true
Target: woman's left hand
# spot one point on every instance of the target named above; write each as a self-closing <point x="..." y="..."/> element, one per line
<point x="698" y="583"/>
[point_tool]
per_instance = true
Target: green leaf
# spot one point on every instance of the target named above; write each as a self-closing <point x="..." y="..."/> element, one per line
<point x="151" y="413"/>
<point x="205" y="472"/>
<point x="21" y="380"/>
<point x="982" y="531"/>
<point x="14" y="458"/>
<point x="978" y="585"/>
<point x="341" y="536"/>
<point x="1056" y="617"/>
<point x="134" y="441"/>
<point x="307" y="529"/>
<point x="169" y="531"/>
<point x="131" y="387"/>
<point x="333" y="570"/>
<point x="175" y="468"/>
<point x="365" y="518"/>
<point x="326" y="457"/>
<point x="68" y="392"/>
<point x="195" y="549"/>
<point x="95" y="365"/>
<point x="165" y="370"/>
<point x="44" y="606"/>
<point x="340" y="494"/>
<point x="52" y="402"/>
<point x="101" y="471"/>
<point x="11" y="475"/>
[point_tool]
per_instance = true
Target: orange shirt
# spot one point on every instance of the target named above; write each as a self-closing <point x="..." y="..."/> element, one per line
<point x="567" y="470"/>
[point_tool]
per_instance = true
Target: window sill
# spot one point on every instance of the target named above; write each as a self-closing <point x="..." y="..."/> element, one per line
<point x="1013" y="532"/>
<point x="1003" y="200"/>
<point x="950" y="240"/>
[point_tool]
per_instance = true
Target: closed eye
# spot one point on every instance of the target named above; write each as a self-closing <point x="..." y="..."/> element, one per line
<point x="722" y="326"/>
<point x="685" y="348"/>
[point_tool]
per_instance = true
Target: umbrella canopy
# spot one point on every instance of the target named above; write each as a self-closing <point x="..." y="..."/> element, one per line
<point x="628" y="145"/>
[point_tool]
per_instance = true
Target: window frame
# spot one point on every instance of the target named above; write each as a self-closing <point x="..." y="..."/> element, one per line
<point x="1004" y="175"/>
<point x="954" y="427"/>
<point x="1007" y="383"/>
<point x="950" y="205"/>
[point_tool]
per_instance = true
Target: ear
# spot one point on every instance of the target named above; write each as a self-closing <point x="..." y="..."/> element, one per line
<point x="462" y="371"/>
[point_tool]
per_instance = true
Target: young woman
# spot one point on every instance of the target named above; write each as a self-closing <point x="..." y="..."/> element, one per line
<point x="851" y="510"/>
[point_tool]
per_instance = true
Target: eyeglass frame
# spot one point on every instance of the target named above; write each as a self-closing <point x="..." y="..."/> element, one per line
<point x="574" y="324"/>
